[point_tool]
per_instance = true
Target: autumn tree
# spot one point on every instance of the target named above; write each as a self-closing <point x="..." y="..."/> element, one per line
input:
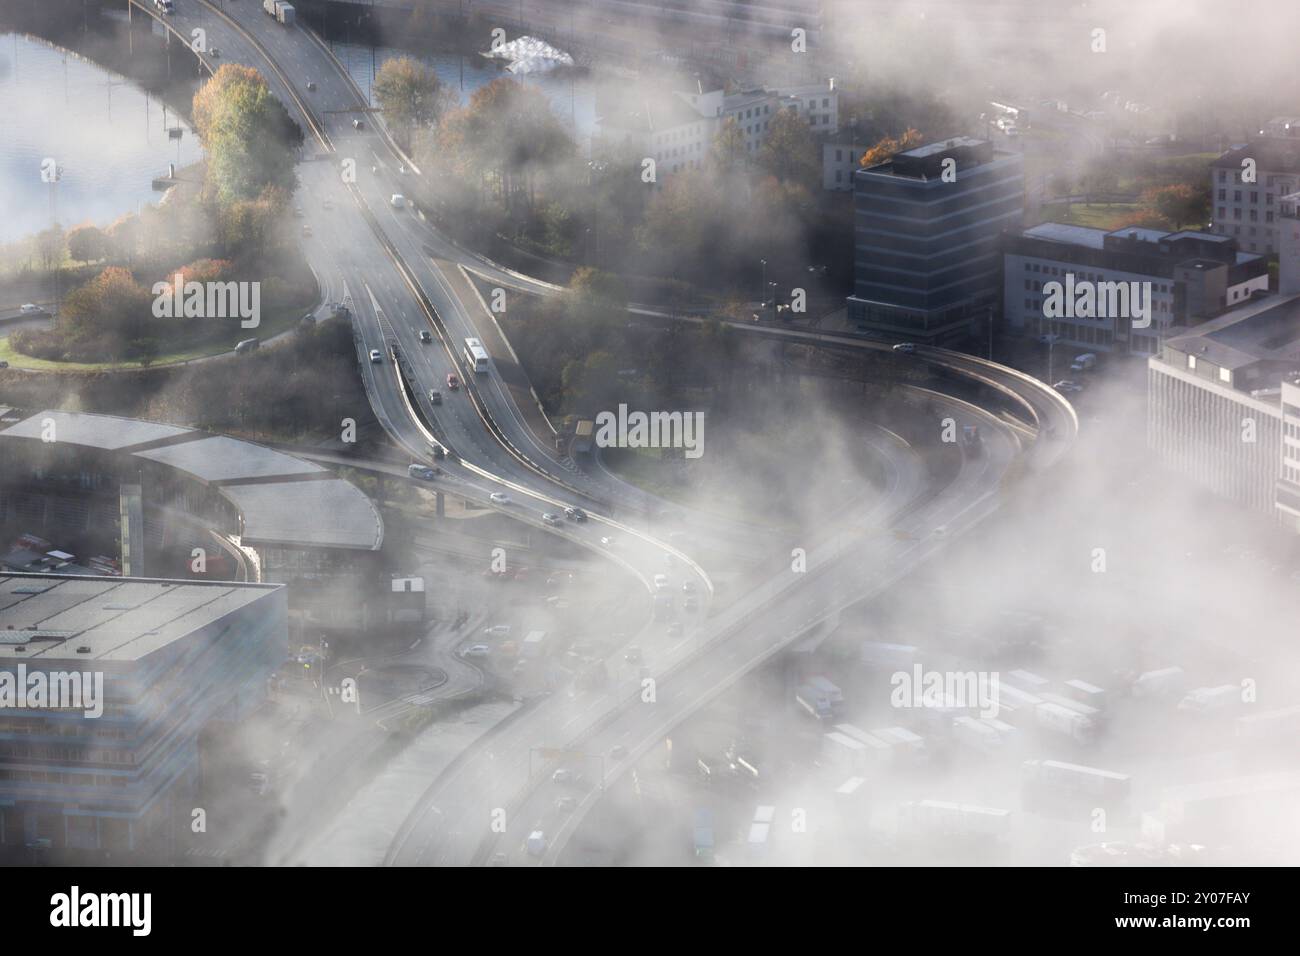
<point x="87" y="243"/>
<point x="728" y="150"/>
<point x="790" y="152"/>
<point x="51" y="246"/>
<point x="410" y="94"/>
<point x="112" y="307"/>
<point x="124" y="237"/>
<point x="247" y="134"/>
<point x="1179" y="203"/>
<point x="889" y="147"/>
<point x="505" y="140"/>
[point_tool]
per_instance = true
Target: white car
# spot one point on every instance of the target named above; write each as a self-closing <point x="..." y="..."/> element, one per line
<point x="661" y="582"/>
<point x="499" y="498"/>
<point x="1066" y="387"/>
<point x="375" y="357"/>
<point x="398" y="201"/>
<point x="941" y="531"/>
<point x="907" y="348"/>
<point x="608" y="541"/>
<point x="423" y="472"/>
<point x="30" y="309"/>
<point x="551" y="519"/>
<point x="497" y="630"/>
<point x="478" y="650"/>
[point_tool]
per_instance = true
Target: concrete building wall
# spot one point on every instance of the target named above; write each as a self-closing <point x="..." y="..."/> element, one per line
<point x="1199" y="427"/>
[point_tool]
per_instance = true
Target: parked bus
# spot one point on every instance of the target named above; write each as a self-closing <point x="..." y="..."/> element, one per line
<point x="476" y="355"/>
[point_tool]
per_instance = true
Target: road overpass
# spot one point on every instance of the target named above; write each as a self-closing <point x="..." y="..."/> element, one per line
<point x="395" y="271"/>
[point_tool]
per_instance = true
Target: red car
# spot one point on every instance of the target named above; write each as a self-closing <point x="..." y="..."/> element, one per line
<point x="453" y="383"/>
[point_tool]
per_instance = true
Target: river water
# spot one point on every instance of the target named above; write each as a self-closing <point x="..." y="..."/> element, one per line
<point x="108" y="137"/>
<point x="571" y="97"/>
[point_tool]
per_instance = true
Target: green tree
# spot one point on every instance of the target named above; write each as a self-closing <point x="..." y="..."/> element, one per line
<point x="410" y="94"/>
<point x="247" y="134"/>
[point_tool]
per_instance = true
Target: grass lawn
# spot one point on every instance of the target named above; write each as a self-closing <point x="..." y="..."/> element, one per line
<point x="280" y="321"/>
<point x="1097" y="216"/>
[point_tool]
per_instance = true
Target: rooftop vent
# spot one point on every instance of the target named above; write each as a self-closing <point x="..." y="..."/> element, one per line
<point x="83" y="649"/>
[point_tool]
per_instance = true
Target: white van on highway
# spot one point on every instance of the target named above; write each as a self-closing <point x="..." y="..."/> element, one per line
<point x="398" y="201"/>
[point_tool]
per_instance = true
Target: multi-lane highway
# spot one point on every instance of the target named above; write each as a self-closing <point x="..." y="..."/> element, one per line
<point x="400" y="277"/>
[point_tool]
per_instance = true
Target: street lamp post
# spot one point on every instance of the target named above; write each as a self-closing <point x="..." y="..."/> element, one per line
<point x="1050" y="340"/>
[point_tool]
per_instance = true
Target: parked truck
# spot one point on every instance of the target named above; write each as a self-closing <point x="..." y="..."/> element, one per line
<point x="1166" y="682"/>
<point x="1206" y="700"/>
<point x="1083" y="363"/>
<point x="1270" y="726"/>
<point x="1063" y="720"/>
<point x="1048" y="782"/>
<point x="985" y="734"/>
<point x="889" y="657"/>
<point x="940" y="817"/>
<point x="1086" y="693"/>
<point x="816" y="705"/>
<point x="834" y="696"/>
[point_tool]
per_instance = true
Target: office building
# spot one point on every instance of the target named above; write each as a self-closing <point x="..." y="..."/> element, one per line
<point x="1247" y="208"/>
<point x="1223" y="406"/>
<point x="677" y="128"/>
<point x="929" y="226"/>
<point x="169" y="657"/>
<point x="1190" y="277"/>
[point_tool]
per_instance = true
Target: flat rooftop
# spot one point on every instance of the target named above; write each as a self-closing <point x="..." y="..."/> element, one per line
<point x="942" y="146"/>
<point x="107" y="432"/>
<point x="1068" y="234"/>
<point x="1267" y="331"/>
<point x="329" y="513"/>
<point x="221" y="459"/>
<point x="281" y="499"/>
<point x="117" y="619"/>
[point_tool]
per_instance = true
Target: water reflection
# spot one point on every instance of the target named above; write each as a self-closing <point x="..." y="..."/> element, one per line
<point x="108" y="138"/>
